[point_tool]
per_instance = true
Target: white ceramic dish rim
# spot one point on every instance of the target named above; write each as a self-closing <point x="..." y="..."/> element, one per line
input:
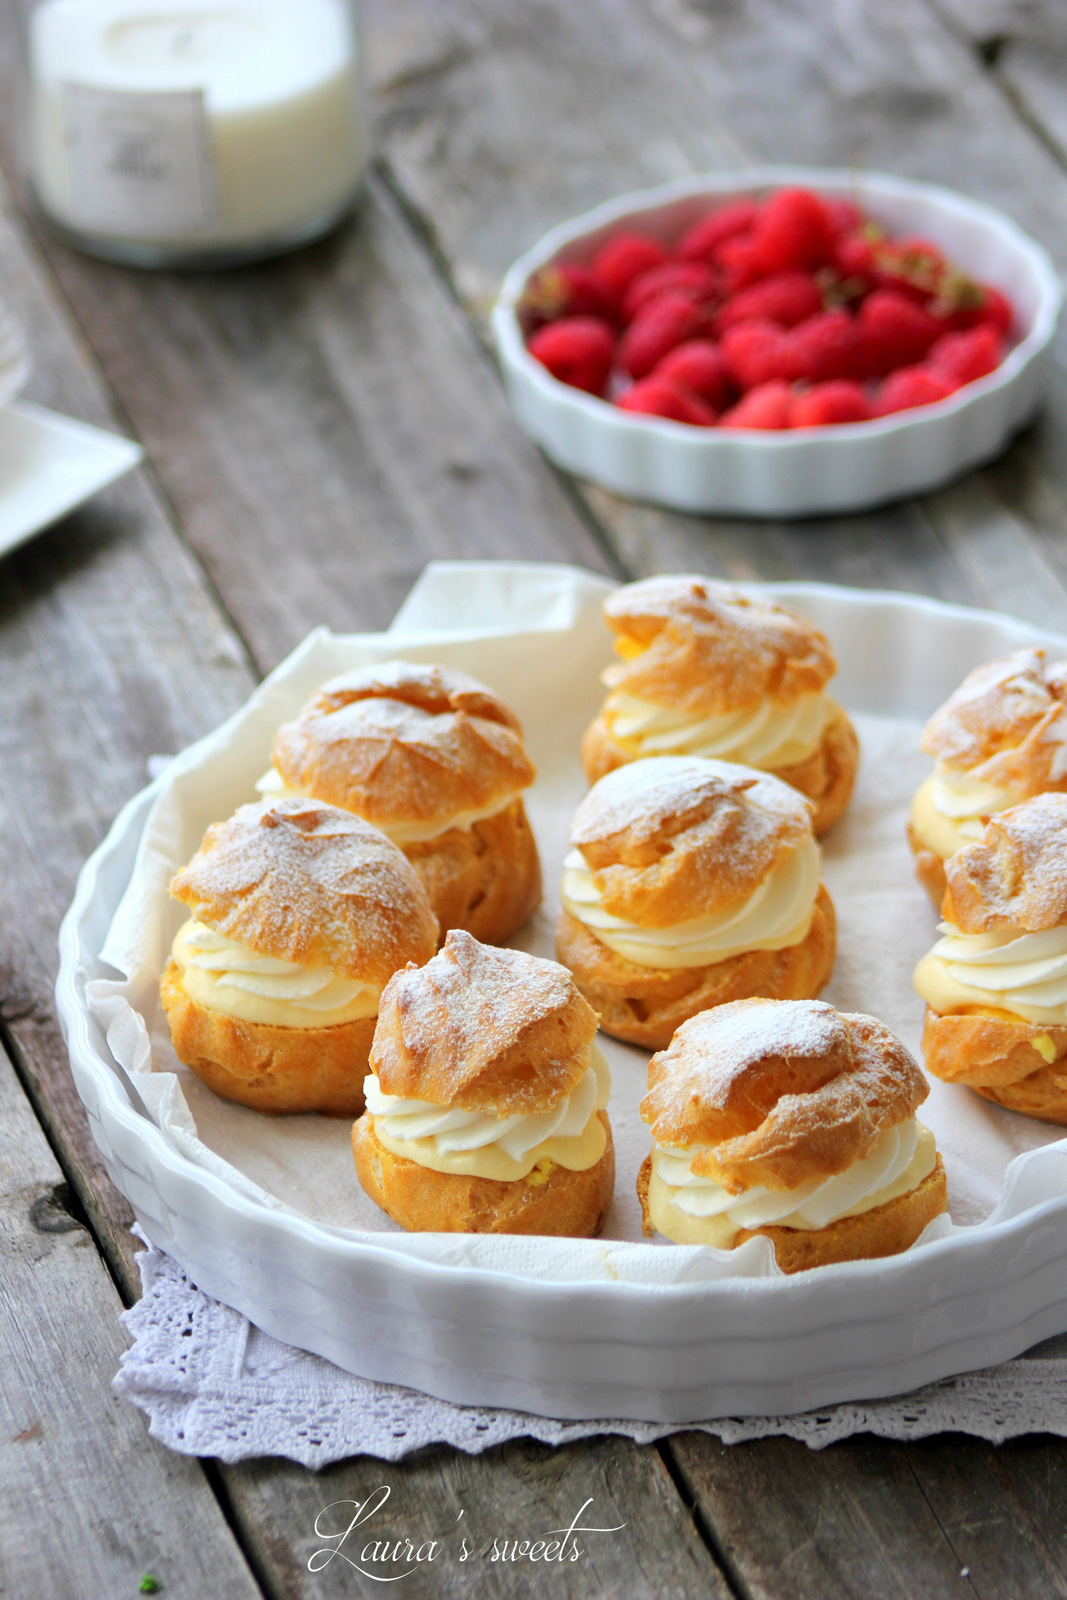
<point x="511" y="345"/>
<point x="109" y="1083"/>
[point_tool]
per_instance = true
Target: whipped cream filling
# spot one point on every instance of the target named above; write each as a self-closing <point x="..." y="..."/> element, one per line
<point x="239" y="982"/>
<point x="480" y="1144"/>
<point x="1010" y="970"/>
<point x="771" y="734"/>
<point x="272" y="786"/>
<point x="943" y="833"/>
<point x="695" y="1206"/>
<point x="776" y="915"/>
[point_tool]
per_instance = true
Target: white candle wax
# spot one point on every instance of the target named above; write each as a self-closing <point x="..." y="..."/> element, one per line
<point x="199" y="125"/>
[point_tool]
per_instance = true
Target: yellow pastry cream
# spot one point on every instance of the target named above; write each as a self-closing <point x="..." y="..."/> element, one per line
<point x="689" y="1208"/>
<point x="775" y="916"/>
<point x="272" y="786"/>
<point x="478" y="1144"/>
<point x="950" y="809"/>
<point x="1024" y="974"/>
<point x="238" y="982"/>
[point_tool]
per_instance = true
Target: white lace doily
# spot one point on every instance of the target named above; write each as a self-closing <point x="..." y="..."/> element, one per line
<point x="213" y="1385"/>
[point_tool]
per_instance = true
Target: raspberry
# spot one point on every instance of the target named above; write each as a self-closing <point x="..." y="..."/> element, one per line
<point x="981" y="304"/>
<point x="686" y="277"/>
<point x="787" y="298"/>
<point x="854" y="256"/>
<point x="617" y="263"/>
<point x="576" y="350"/>
<point x="894" y="332"/>
<point x="826" y="346"/>
<point x="830" y="403"/>
<point x="737" y="261"/>
<point x="665" y="322"/>
<point x="702" y="240"/>
<point x="844" y="216"/>
<point x="698" y="366"/>
<point x="963" y="357"/>
<point x="658" y="397"/>
<point x="793" y="229"/>
<point x="756" y="352"/>
<point x="915" y="267"/>
<point x="764" y="407"/>
<point x="566" y="291"/>
<point x="911" y="386"/>
<point x="996" y="309"/>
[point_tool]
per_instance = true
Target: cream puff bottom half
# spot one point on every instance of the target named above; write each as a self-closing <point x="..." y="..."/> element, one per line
<point x="722" y="1233"/>
<point x="550" y="1200"/>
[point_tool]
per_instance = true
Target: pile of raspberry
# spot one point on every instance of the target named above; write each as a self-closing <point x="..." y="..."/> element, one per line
<point x="796" y="311"/>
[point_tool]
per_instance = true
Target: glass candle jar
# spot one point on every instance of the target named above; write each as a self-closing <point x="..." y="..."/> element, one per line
<point x="193" y="133"/>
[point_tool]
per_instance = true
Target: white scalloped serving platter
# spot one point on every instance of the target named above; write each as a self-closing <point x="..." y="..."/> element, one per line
<point x="432" y="1312"/>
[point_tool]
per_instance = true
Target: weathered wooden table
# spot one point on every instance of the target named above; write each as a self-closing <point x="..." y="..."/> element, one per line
<point x="315" y="429"/>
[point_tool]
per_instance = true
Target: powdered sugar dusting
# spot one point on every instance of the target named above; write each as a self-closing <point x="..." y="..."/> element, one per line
<point x="1016" y="874"/>
<point x="711" y="648"/>
<point x="732" y="1038"/>
<point x="453" y="1021"/>
<point x="433" y="689"/>
<point x="664" y="791"/>
<point x="309" y="883"/>
<point x="1006" y="723"/>
<point x="404" y="744"/>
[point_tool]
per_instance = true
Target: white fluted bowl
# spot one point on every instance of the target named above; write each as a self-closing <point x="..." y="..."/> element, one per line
<point x="812" y="470"/>
<point x="579" y="1328"/>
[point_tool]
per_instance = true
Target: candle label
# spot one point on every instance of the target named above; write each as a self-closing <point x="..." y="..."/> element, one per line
<point x="140" y="164"/>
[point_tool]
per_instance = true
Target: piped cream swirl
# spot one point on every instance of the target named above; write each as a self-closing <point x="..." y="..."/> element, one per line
<point x="951" y="807"/>
<point x="691" y="1208"/>
<point x="239" y="982"/>
<point x="774" y="917"/>
<point x="479" y="1144"/>
<point x="1010" y="970"/>
<point x="272" y="786"/>
<point x="769" y="735"/>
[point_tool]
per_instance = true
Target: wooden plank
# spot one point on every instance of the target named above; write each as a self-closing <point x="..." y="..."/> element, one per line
<point x="90" y="1502"/>
<point x="513" y="1496"/>
<point x="111" y="647"/>
<point x="1024" y="45"/>
<point x="624" y="94"/>
<point x="943" y="1518"/>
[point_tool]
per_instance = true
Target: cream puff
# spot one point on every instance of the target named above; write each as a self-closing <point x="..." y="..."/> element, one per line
<point x="707" y="670"/>
<point x="995" y="983"/>
<point x="300" y="915"/>
<point x="999" y="740"/>
<point x="789" y="1119"/>
<point x="486" y="1099"/>
<point x="437" y="762"/>
<point x="691" y="883"/>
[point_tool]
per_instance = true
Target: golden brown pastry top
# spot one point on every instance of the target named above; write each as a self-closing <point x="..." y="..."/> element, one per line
<point x="777" y="1092"/>
<point x="677" y="837"/>
<point x="483" y="1029"/>
<point x="1006" y="724"/>
<point x="708" y="648"/>
<point x="1015" y="875"/>
<point x="306" y="882"/>
<point x="404" y="743"/>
